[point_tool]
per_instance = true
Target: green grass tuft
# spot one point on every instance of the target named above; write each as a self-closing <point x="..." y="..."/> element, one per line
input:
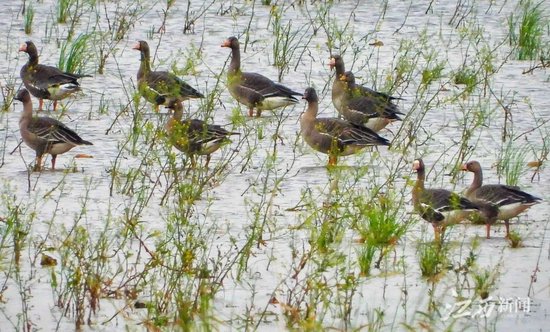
<point x="28" y="19"/>
<point x="515" y="240"/>
<point x="466" y="76"/>
<point x="433" y="259"/>
<point x="380" y="228"/>
<point x="512" y="163"/>
<point x="63" y="9"/>
<point x="75" y="56"/>
<point x="527" y="31"/>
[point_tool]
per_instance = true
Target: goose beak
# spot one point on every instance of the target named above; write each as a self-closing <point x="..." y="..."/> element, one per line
<point x="226" y="43"/>
<point x="137" y="46"/>
<point x="332" y="63"/>
<point x="23" y="47"/>
<point x="464" y="167"/>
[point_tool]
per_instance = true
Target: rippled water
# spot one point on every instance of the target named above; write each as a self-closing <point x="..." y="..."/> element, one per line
<point x="229" y="201"/>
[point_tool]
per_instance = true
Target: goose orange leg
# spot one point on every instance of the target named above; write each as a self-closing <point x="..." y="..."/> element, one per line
<point x="507" y="225"/>
<point x="38" y="164"/>
<point x="40" y="104"/>
<point x="54" y="156"/>
<point x="439" y="233"/>
<point x="332" y="160"/>
<point x="54" y="105"/>
<point x="251" y="112"/>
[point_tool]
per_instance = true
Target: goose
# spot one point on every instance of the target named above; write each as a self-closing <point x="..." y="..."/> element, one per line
<point x="373" y="111"/>
<point x="510" y="201"/>
<point x="439" y="207"/>
<point x="160" y="87"/>
<point x="339" y="90"/>
<point x="194" y="136"/>
<point x="44" y="134"/>
<point x="333" y="136"/>
<point x="254" y="90"/>
<point x="46" y="82"/>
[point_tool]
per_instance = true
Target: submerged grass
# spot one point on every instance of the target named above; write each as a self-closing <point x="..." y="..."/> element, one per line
<point x="28" y="19"/>
<point x="526" y="32"/>
<point x="380" y="226"/>
<point x="74" y="56"/>
<point x="466" y="76"/>
<point x="288" y="41"/>
<point x="485" y="281"/>
<point x="171" y="251"/>
<point x="515" y="239"/>
<point x="63" y="7"/>
<point x="433" y="260"/>
<point x="512" y="163"/>
<point x="8" y="93"/>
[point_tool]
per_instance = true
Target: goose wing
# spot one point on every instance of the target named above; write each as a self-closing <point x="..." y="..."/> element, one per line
<point x="442" y="200"/>
<point x="169" y="85"/>
<point x="373" y="107"/>
<point x="504" y="195"/>
<point x="54" y="131"/>
<point x="348" y="133"/>
<point x="266" y="87"/>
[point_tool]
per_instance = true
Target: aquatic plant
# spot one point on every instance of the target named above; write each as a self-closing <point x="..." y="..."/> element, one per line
<point x="484" y="280"/>
<point x="74" y="57"/>
<point x="512" y="163"/>
<point x="265" y="237"/>
<point x="28" y="19"/>
<point x="162" y="29"/>
<point x="526" y="31"/>
<point x="379" y="225"/>
<point x="466" y="76"/>
<point x="192" y="16"/>
<point x="365" y="257"/>
<point x="7" y="91"/>
<point x="432" y="73"/>
<point x="120" y="20"/>
<point x="63" y="7"/>
<point x="515" y="240"/>
<point x="432" y="259"/>
<point x="288" y="41"/>
<point x="339" y="34"/>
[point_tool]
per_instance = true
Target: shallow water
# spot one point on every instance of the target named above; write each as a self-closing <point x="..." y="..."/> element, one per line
<point x="226" y="209"/>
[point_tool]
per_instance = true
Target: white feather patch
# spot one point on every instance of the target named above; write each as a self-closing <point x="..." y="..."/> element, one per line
<point x="271" y="103"/>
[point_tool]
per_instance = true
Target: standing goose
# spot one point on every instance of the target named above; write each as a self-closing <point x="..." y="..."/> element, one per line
<point x="44" y="134"/>
<point x="511" y="201"/>
<point x="373" y="111"/>
<point x="160" y="87"/>
<point x="252" y="89"/>
<point x="46" y="82"/>
<point x="439" y="207"/>
<point x="333" y="136"/>
<point x="193" y="136"/>
<point x="339" y="88"/>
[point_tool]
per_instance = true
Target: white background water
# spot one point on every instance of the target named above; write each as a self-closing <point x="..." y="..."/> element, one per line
<point x="228" y="203"/>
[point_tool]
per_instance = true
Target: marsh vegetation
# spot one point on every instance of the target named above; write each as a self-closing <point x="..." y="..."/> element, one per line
<point x="266" y="237"/>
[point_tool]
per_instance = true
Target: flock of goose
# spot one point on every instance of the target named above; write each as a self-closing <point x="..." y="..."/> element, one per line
<point x="363" y="113"/>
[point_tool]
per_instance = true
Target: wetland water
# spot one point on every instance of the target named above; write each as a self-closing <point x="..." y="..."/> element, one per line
<point x="268" y="238"/>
